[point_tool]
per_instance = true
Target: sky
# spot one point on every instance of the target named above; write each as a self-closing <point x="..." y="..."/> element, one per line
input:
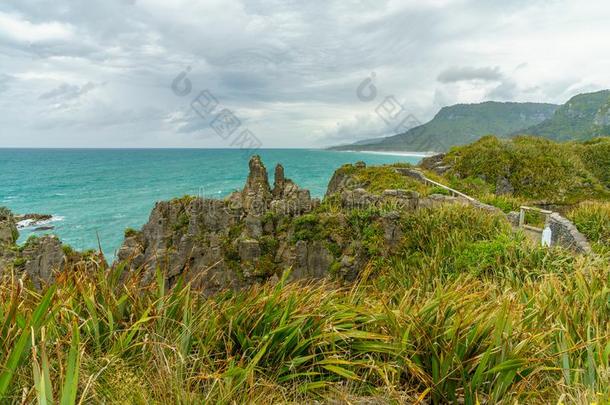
<point x="182" y="73"/>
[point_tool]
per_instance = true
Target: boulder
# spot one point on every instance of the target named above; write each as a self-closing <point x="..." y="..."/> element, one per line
<point x="392" y="230"/>
<point x="513" y="218"/>
<point x="249" y="250"/>
<point x="565" y="234"/>
<point x="8" y="228"/>
<point x="8" y="237"/>
<point x="43" y="257"/>
<point x="504" y="187"/>
<point x="313" y="260"/>
<point x="342" y="180"/>
<point x="29" y="220"/>
<point x="254" y="226"/>
<point x="435" y="163"/>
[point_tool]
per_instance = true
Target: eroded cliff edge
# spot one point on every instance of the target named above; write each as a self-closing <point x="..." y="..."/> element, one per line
<point x="40" y="258"/>
<point x="259" y="232"/>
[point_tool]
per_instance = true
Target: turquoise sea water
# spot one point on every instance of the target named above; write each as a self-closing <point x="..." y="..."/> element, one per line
<point x="102" y="192"/>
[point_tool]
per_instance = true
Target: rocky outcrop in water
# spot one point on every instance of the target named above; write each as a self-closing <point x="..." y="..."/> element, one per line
<point x="40" y="258"/>
<point x="32" y="220"/>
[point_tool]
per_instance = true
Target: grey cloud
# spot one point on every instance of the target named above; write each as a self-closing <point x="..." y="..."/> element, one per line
<point x="505" y="91"/>
<point x="360" y="127"/>
<point x="5" y="81"/>
<point x="288" y="69"/>
<point x="186" y="122"/>
<point x="67" y="91"/>
<point x="101" y="116"/>
<point x="457" y="74"/>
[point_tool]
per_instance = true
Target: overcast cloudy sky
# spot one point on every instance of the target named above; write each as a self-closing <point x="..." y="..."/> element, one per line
<point x="99" y="73"/>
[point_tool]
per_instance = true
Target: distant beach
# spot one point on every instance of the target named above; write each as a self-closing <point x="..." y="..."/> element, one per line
<point x="394" y="153"/>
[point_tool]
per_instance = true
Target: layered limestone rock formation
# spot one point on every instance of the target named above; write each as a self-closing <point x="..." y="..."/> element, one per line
<point x="435" y="163"/>
<point x="8" y="227"/>
<point x="8" y="237"/>
<point x="257" y="233"/>
<point x="41" y="258"/>
<point x="38" y="259"/>
<point x="218" y="244"/>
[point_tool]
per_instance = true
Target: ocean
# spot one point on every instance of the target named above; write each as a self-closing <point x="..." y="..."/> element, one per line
<point x="95" y="193"/>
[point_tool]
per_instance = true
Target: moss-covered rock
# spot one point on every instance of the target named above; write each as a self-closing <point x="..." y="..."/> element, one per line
<point x="373" y="179"/>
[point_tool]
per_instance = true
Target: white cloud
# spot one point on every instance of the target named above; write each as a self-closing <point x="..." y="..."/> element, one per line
<point x="15" y="27"/>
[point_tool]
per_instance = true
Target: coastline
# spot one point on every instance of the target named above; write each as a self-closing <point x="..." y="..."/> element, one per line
<point x="392" y="153"/>
<point x="83" y="197"/>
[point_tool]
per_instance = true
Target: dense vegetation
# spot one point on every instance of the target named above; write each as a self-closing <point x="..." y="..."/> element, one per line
<point x="465" y="311"/>
<point x="592" y="218"/>
<point x="461" y="309"/>
<point x="537" y="169"/>
<point x="376" y="179"/>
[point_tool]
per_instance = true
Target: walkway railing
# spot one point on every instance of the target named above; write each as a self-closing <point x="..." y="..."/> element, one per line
<point x="452" y="191"/>
<point x="522" y="223"/>
<point x="416" y="174"/>
<point x="567" y="234"/>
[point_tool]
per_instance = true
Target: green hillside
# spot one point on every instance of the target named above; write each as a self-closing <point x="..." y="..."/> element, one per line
<point x="463" y="123"/>
<point x="584" y="116"/>
<point x="532" y="169"/>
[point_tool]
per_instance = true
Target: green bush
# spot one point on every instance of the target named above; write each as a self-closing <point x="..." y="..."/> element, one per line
<point x="537" y="168"/>
<point x="268" y="244"/>
<point x="438" y="190"/>
<point x="67" y="249"/>
<point x="595" y="154"/>
<point x="593" y="220"/>
<point x="129" y="232"/>
<point x="306" y="227"/>
<point x="504" y="202"/>
<point x="377" y="179"/>
<point x="182" y="222"/>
